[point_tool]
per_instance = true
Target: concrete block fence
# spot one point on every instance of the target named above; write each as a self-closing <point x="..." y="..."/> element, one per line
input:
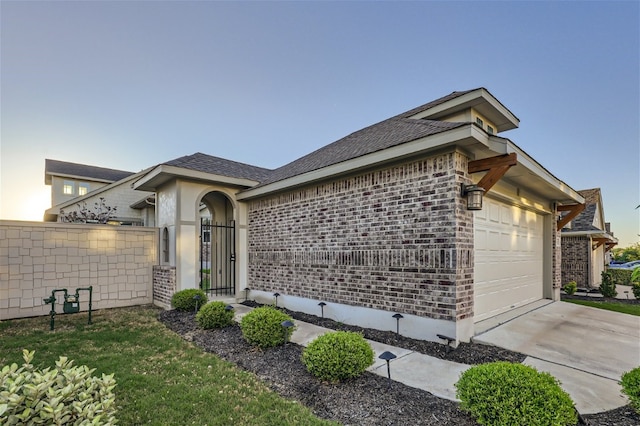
<point x="38" y="257"/>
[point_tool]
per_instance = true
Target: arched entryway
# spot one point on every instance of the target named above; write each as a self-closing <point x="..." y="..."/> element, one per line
<point x="217" y="245"/>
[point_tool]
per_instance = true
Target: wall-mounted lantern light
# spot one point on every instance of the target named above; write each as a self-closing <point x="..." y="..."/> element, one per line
<point x="474" y="194"/>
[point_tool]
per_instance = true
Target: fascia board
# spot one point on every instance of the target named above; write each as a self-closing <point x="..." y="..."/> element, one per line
<point x="448" y="138"/>
<point x="534" y="167"/>
<point x="164" y="172"/>
<point x="77" y="177"/>
<point x="593" y="233"/>
<point x="472" y="98"/>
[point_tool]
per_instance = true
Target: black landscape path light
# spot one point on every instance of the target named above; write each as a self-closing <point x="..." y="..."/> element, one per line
<point x="286" y="325"/>
<point x="388" y="356"/>
<point x="322" y="305"/>
<point x="276" y="296"/>
<point x="246" y="293"/>
<point x="398" y="317"/>
<point x="197" y="299"/>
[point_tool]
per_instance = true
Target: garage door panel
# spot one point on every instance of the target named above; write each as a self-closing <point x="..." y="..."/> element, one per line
<point x="508" y="258"/>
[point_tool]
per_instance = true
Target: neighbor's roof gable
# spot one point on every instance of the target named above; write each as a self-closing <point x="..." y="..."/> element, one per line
<point x="81" y="171"/>
<point x="585" y="220"/>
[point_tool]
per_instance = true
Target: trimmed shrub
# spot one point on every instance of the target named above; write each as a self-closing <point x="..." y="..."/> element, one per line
<point x="64" y="395"/>
<point x="214" y="315"/>
<point x="503" y="393"/>
<point x="631" y="387"/>
<point x="184" y="300"/>
<point x="571" y="287"/>
<point x="608" y="286"/>
<point x="263" y="327"/>
<point x="338" y="356"/>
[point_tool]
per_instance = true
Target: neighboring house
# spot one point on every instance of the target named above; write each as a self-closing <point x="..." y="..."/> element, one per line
<point x="76" y="185"/>
<point x="586" y="242"/>
<point x="376" y="223"/>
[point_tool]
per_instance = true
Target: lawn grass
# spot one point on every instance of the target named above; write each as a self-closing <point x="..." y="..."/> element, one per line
<point x="631" y="309"/>
<point x="161" y="378"/>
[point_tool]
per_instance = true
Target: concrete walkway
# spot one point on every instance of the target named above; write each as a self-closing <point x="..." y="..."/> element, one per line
<point x="593" y="390"/>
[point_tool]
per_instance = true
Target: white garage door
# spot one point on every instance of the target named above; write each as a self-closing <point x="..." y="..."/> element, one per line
<point x="508" y="258"/>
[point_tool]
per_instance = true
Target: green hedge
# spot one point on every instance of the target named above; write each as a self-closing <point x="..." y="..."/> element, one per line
<point x="502" y="393"/>
<point x="620" y="276"/>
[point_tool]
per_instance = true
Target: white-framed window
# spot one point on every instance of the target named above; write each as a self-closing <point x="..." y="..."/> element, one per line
<point x="83" y="188"/>
<point x="479" y="122"/>
<point x="490" y="130"/>
<point x="69" y="187"/>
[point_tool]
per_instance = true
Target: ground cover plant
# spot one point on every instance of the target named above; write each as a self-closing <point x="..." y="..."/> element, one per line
<point x="161" y="378"/>
<point x="65" y="394"/>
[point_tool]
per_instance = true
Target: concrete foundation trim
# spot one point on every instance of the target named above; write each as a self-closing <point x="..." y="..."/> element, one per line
<point x="412" y="326"/>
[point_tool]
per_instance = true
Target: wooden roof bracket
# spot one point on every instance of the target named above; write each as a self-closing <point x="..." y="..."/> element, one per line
<point x="573" y="211"/>
<point x="495" y="167"/>
<point x="598" y="242"/>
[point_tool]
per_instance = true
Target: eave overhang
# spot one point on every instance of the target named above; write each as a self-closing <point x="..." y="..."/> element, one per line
<point x="480" y="100"/>
<point x="164" y="173"/>
<point x="470" y="139"/>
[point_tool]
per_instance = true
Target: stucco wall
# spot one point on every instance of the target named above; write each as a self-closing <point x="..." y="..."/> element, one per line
<point x="398" y="239"/>
<point x="36" y="258"/>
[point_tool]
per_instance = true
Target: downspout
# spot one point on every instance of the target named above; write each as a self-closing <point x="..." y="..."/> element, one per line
<point x="590" y="262"/>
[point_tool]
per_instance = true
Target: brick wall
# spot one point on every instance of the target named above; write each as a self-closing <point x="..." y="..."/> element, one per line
<point x="164" y="285"/>
<point x="36" y="258"/>
<point x="398" y="239"/>
<point x="575" y="260"/>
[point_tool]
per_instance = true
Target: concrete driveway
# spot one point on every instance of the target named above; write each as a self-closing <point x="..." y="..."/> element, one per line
<point x="587" y="349"/>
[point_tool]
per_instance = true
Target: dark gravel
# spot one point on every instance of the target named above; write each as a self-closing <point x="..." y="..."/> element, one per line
<point x="367" y="400"/>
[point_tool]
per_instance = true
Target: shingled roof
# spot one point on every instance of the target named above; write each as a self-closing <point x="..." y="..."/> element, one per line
<point x="385" y="134"/>
<point x="64" y="168"/>
<point x="220" y="166"/>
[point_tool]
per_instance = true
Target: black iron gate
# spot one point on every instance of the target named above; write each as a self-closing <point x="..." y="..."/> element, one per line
<point x="218" y="258"/>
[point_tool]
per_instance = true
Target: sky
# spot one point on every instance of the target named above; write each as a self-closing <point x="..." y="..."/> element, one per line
<point x="131" y="84"/>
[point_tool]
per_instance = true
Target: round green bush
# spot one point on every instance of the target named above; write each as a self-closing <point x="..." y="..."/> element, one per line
<point x="338" y="356"/>
<point x="263" y="327"/>
<point x="184" y="300"/>
<point x="214" y="315"/>
<point x="503" y="393"/>
<point x="631" y="387"/>
<point x="571" y="287"/>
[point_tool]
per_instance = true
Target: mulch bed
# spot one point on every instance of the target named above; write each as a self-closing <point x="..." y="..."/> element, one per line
<point x="366" y="400"/>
